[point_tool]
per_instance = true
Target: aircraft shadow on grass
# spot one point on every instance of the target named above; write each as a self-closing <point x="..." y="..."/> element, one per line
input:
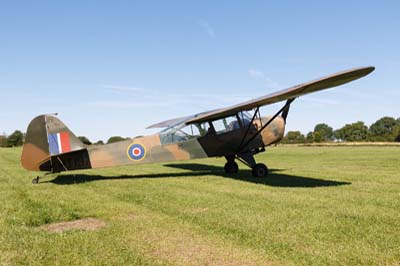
<point x="274" y="178"/>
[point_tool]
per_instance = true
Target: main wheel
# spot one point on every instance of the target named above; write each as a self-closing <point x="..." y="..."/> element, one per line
<point x="231" y="168"/>
<point x="260" y="170"/>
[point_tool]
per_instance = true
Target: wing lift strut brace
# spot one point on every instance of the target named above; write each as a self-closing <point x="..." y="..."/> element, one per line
<point x="242" y="154"/>
<point x="36" y="180"/>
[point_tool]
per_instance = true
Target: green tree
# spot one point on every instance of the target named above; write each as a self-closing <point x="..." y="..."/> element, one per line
<point x="357" y="131"/>
<point x="397" y="130"/>
<point x="115" y="139"/>
<point x="294" y="137"/>
<point x="85" y="140"/>
<point x="99" y="142"/>
<point x="310" y="137"/>
<point x="396" y="133"/>
<point x="318" y="136"/>
<point x="383" y="129"/>
<point x="324" y="131"/>
<point x="15" y="139"/>
<point x="3" y="141"/>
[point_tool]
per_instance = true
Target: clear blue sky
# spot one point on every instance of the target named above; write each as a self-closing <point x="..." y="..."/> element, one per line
<point x="115" y="67"/>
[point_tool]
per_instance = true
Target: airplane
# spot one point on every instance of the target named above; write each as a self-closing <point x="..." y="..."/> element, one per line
<point x="230" y="132"/>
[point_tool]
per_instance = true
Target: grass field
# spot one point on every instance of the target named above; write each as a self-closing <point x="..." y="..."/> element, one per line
<point x="319" y="206"/>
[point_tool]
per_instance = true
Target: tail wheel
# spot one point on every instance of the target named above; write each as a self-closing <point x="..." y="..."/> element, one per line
<point x="231" y="168"/>
<point x="260" y="170"/>
<point x="35" y="180"/>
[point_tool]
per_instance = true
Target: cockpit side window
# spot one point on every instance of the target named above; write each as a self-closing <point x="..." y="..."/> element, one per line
<point x="226" y="124"/>
<point x="182" y="132"/>
<point x="245" y="118"/>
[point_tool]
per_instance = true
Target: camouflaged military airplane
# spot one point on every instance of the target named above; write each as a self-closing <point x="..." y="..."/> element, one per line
<point x="228" y="132"/>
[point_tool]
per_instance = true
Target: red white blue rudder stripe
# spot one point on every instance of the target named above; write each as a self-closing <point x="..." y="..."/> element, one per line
<point x="59" y="142"/>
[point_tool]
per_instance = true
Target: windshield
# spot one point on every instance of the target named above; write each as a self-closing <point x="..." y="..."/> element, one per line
<point x="182" y="133"/>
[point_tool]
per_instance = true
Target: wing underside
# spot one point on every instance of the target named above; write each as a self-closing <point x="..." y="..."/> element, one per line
<point x="286" y="94"/>
<point x="177" y="121"/>
<point x="290" y="93"/>
<point x="171" y="122"/>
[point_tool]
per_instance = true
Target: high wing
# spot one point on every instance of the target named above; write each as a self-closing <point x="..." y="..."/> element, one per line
<point x="171" y="122"/>
<point x="290" y="93"/>
<point x="177" y="121"/>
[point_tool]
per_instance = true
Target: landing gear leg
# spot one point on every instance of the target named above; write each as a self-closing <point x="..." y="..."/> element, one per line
<point x="231" y="167"/>
<point x="35" y="180"/>
<point x="258" y="169"/>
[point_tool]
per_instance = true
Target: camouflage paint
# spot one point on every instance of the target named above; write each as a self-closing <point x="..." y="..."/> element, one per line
<point x="36" y="156"/>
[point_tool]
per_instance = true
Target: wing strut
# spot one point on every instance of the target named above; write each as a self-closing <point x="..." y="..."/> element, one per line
<point x="283" y="109"/>
<point x="248" y="127"/>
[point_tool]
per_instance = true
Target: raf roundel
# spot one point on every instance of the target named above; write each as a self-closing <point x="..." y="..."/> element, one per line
<point x="136" y="152"/>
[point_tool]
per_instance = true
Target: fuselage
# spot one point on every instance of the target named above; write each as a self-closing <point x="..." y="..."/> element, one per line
<point x="174" y="144"/>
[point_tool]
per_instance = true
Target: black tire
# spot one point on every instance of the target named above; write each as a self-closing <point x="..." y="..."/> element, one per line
<point x="260" y="170"/>
<point x="231" y="168"/>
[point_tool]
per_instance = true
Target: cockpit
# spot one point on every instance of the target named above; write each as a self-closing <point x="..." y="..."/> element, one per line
<point x="182" y="132"/>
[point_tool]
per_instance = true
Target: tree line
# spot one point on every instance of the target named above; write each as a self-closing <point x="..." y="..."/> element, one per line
<point x="385" y="129"/>
<point x="17" y="138"/>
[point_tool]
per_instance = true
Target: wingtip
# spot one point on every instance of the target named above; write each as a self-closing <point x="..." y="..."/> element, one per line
<point x="362" y="71"/>
<point x="370" y="68"/>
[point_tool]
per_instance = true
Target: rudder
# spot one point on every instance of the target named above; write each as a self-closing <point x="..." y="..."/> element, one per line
<point x="47" y="136"/>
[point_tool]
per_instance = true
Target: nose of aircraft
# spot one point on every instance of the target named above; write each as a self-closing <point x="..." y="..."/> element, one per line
<point x="275" y="130"/>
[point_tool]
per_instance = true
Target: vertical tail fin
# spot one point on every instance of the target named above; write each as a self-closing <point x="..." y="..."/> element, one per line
<point x="47" y="136"/>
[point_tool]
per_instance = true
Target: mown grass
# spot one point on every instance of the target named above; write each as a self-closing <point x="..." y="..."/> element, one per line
<point x="319" y="206"/>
